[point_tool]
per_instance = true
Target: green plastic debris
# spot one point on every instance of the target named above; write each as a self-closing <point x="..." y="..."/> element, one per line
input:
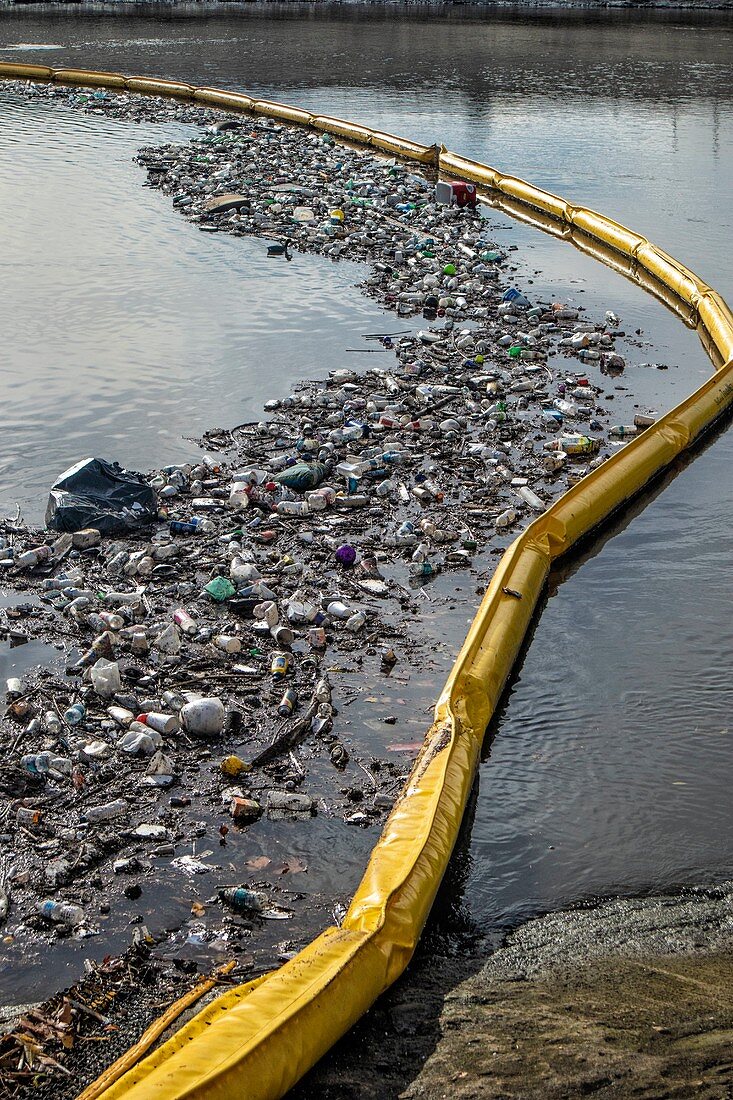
<point x="220" y="589"/>
<point x="302" y="476"/>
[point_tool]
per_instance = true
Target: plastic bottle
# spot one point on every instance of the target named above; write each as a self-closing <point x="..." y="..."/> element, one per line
<point x="161" y="723"/>
<point x="204" y="717"/>
<point x="173" y="699"/>
<point x="320" y="499"/>
<point x="288" y="703"/>
<point x="280" y="665"/>
<point x="111" y="620"/>
<point x="529" y="497"/>
<point x="126" y="599"/>
<point x="621" y="431"/>
<point x="31" y="558"/>
<point x="76" y="714"/>
<point x="505" y="518"/>
<point x="292" y="508"/>
<point x="356" y="500"/>
<point x="52" y="723"/>
<point x="184" y="622"/>
<point x="243" y="900"/>
<point x="41" y="763"/>
<point x="106" y="812"/>
<point x="117" y="563"/>
<point x="61" y="912"/>
<point x="574" y="445"/>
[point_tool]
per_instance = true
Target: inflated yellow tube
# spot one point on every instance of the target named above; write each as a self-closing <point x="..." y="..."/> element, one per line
<point x="534" y="196"/>
<point x="283" y="112"/>
<point x="89" y="78"/>
<point x="403" y="147"/>
<point x="360" y="135"/>
<point x="607" y="230"/>
<point x="165" y="88"/>
<point x="257" y="1040"/>
<point x="451" y="164"/>
<point x="227" y="101"/>
<point x="25" y="72"/>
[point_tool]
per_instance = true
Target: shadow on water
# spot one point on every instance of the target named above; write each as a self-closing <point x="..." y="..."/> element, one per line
<point x="384" y="1052"/>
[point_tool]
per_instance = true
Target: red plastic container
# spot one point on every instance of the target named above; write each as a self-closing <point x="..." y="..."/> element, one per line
<point x="455" y="193"/>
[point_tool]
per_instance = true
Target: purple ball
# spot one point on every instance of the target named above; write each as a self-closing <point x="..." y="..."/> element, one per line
<point x="346" y="555"/>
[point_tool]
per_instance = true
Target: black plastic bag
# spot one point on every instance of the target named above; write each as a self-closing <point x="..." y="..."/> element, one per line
<point x="95" y="493"/>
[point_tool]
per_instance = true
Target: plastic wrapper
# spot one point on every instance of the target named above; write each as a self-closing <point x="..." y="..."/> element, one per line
<point x="95" y="493"/>
<point x="302" y="476"/>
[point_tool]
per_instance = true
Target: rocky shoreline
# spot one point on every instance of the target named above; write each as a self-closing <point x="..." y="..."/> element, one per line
<point x="303" y="567"/>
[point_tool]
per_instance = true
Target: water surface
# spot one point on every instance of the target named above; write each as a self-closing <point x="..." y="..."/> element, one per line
<point x="610" y="768"/>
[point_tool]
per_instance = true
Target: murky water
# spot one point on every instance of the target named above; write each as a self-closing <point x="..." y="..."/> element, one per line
<point x="610" y="768"/>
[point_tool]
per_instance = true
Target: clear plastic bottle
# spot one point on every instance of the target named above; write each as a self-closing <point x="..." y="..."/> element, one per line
<point x="108" y="811"/>
<point x="505" y="518"/>
<point x="61" y="912"/>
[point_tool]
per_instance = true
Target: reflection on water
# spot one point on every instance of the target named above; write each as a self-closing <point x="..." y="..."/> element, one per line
<point x="630" y="111"/>
<point x="611" y="765"/>
<point x="125" y="330"/>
